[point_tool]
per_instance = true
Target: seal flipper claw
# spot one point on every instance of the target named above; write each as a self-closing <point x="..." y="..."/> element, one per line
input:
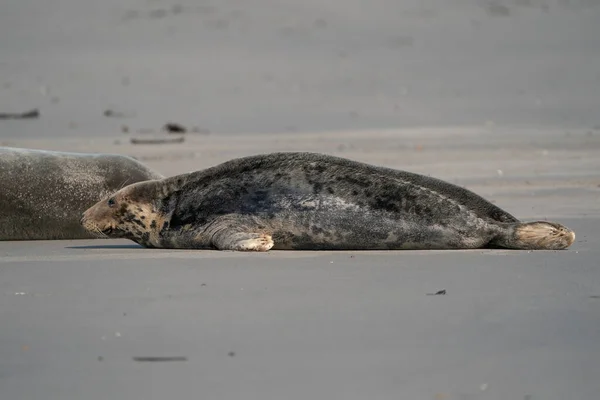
<point x="229" y="239"/>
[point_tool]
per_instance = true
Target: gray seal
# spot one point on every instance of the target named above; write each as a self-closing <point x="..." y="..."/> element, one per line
<point x="44" y="192"/>
<point x="308" y="201"/>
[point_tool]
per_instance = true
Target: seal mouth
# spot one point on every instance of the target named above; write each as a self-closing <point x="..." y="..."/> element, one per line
<point x="94" y="229"/>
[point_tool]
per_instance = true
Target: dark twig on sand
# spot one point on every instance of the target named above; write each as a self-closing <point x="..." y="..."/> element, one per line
<point x="159" y="359"/>
<point x="26" y="115"/>
<point x="179" y="139"/>
<point x="438" y="293"/>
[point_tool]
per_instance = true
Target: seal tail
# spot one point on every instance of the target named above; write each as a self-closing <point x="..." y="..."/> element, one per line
<point x="538" y="235"/>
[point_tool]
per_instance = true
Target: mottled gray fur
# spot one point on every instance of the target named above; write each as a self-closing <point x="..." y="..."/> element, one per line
<point x="43" y="193"/>
<point x="306" y="201"/>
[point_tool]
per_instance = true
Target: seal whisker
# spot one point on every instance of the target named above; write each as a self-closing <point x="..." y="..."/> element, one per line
<point x="123" y="184"/>
<point x="99" y="232"/>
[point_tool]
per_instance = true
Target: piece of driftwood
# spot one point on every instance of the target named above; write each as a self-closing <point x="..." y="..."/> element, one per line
<point x="167" y="140"/>
<point x="35" y="113"/>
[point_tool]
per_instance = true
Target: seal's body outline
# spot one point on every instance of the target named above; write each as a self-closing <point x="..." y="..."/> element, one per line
<point x="311" y="201"/>
<point x="44" y="192"/>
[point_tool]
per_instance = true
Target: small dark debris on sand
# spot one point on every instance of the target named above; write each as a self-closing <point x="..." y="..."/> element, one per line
<point x="159" y="359"/>
<point x="438" y="293"/>
<point x="173" y="127"/>
<point x="114" y="114"/>
<point x="35" y="113"/>
<point x="158" y="140"/>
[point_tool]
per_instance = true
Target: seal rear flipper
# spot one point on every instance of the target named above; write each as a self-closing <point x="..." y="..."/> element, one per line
<point x="538" y="235"/>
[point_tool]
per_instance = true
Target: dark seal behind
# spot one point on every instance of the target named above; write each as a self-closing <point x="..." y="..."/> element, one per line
<point x="43" y="193"/>
<point x="308" y="201"/>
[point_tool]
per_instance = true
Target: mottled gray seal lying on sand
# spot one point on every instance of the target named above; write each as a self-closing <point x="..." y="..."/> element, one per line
<point x="43" y="193"/>
<point x="307" y="201"/>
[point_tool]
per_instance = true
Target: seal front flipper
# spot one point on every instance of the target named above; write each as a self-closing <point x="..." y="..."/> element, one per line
<point x="230" y="239"/>
<point x="239" y="234"/>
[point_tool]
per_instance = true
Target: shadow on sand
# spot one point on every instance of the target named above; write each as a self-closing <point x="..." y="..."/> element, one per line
<point x="108" y="246"/>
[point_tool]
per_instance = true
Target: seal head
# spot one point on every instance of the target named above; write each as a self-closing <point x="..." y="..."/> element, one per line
<point x="126" y="214"/>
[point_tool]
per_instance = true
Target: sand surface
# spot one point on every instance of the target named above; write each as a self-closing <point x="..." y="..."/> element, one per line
<point x="76" y="315"/>
<point x="289" y="65"/>
<point x="501" y="97"/>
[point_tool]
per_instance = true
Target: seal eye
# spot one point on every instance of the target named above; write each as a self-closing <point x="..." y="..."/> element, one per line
<point x="111" y="202"/>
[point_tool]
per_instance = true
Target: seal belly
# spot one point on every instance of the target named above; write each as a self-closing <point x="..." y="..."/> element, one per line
<point x="305" y="209"/>
<point x="333" y="223"/>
